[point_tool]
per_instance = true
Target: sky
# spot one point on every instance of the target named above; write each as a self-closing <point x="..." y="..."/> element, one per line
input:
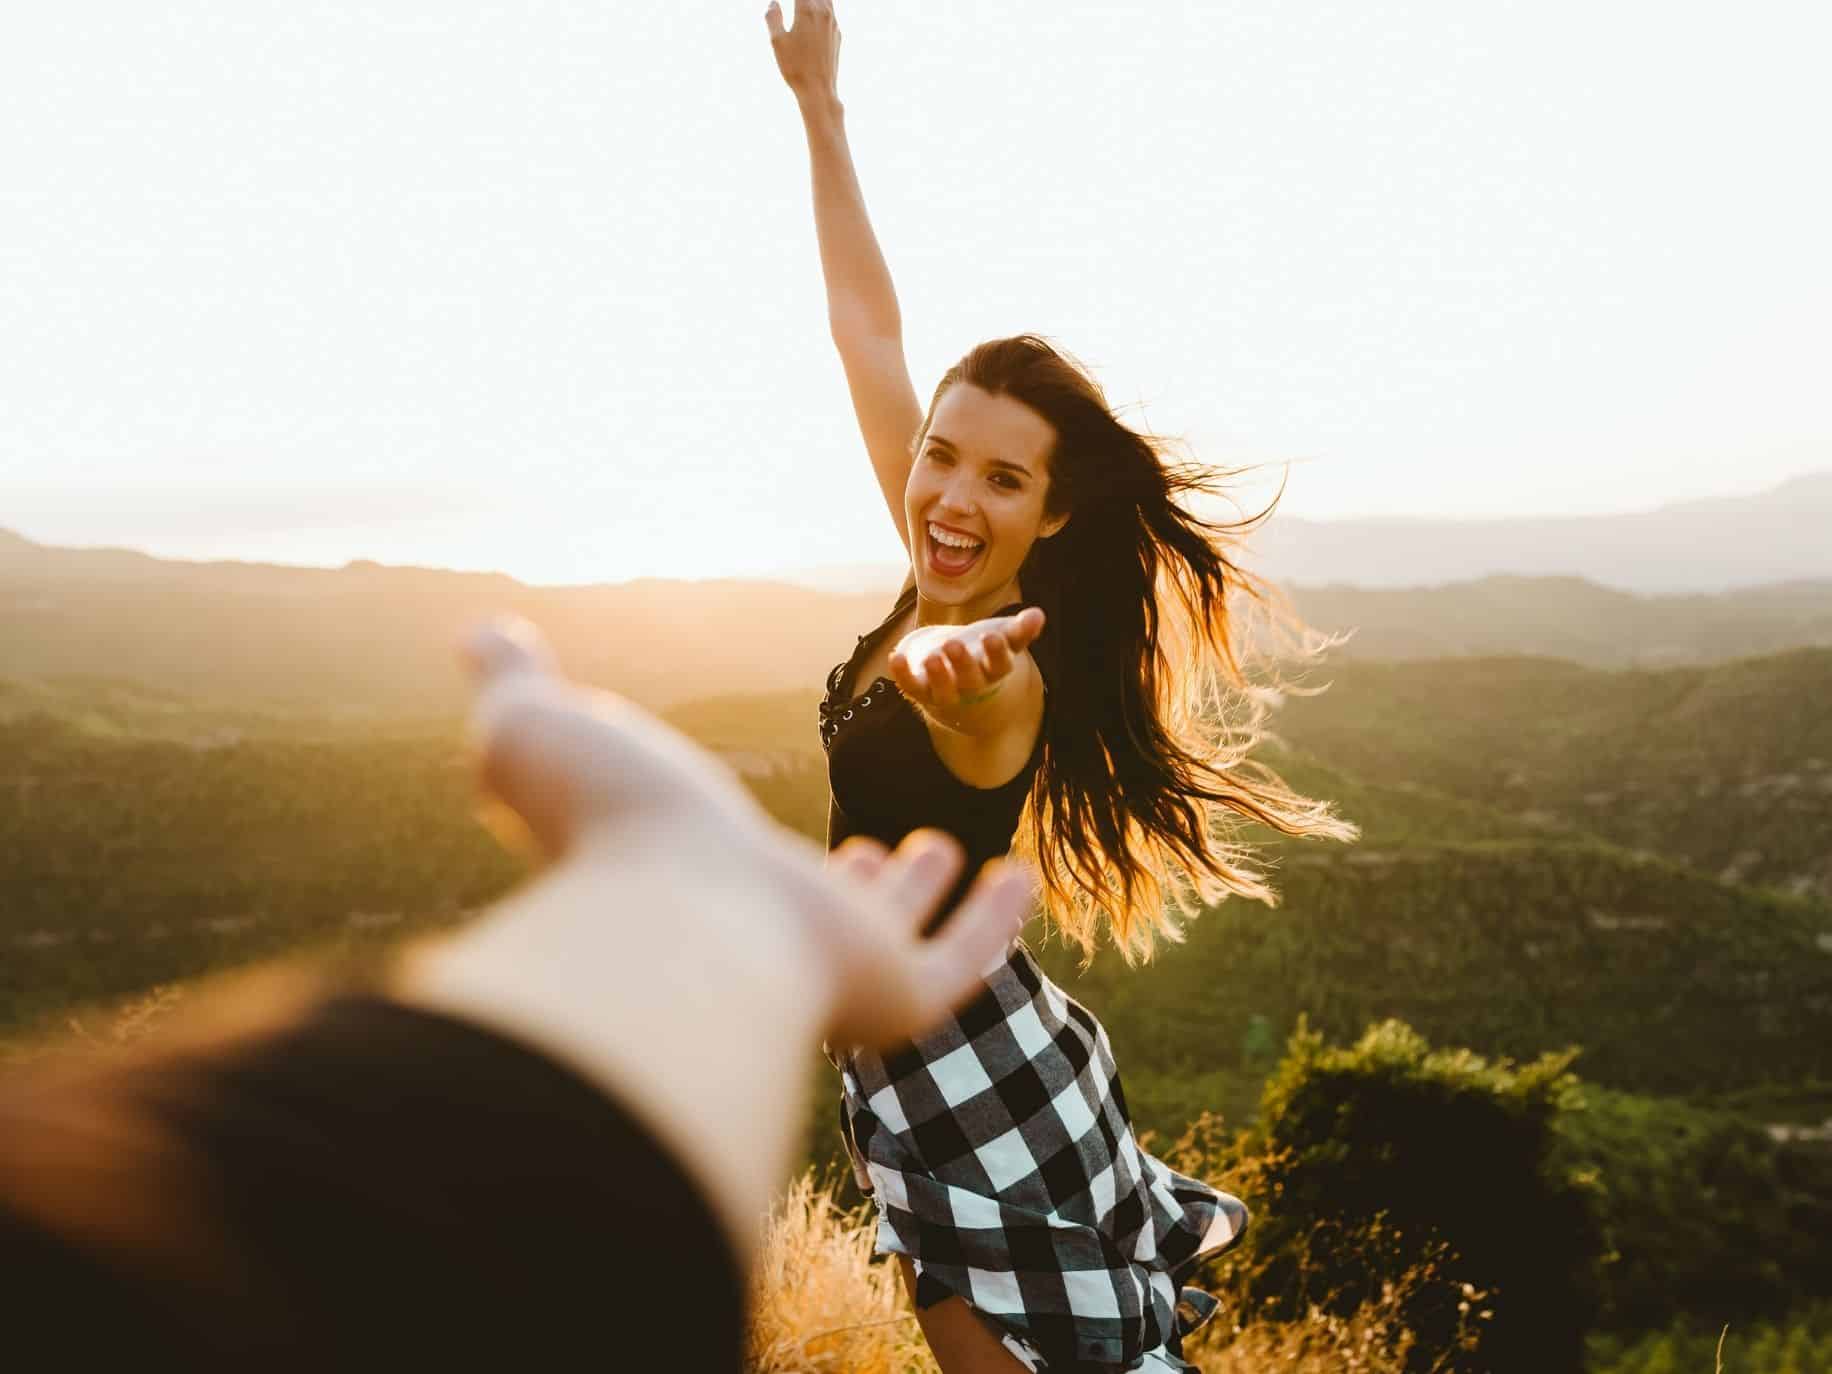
<point x="533" y="287"/>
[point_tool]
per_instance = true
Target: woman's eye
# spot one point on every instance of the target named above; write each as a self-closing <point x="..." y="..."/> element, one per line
<point x="1006" y="480"/>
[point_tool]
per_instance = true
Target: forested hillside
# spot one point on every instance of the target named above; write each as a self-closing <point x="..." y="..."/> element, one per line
<point x="1626" y="863"/>
<point x="1728" y="768"/>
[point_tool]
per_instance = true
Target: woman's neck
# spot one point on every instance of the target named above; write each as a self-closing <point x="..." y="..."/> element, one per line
<point x="966" y="612"/>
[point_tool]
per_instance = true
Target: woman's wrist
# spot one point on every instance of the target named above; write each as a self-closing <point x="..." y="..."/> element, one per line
<point x="821" y="106"/>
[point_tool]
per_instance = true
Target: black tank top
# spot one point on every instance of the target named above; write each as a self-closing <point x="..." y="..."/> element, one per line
<point x="885" y="779"/>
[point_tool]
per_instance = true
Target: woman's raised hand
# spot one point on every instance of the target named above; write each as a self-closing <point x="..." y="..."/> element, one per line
<point x="808" y="55"/>
<point x="945" y="667"/>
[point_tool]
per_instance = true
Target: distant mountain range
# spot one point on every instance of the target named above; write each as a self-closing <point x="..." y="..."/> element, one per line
<point x="1783" y="534"/>
<point x="1568" y="617"/>
<point x="378" y="640"/>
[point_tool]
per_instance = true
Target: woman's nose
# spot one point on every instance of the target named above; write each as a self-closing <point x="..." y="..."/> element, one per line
<point x="956" y="499"/>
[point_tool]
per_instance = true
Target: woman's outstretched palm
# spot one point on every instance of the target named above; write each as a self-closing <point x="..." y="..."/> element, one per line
<point x="943" y="667"/>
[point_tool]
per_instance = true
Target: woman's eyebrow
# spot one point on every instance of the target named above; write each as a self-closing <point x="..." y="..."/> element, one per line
<point x="1006" y="463"/>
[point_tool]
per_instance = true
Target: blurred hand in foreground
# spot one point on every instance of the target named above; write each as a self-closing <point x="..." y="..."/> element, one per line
<point x="681" y="946"/>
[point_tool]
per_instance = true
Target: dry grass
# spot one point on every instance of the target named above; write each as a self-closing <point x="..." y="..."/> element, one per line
<point x="819" y="1304"/>
<point x="1369" y="1341"/>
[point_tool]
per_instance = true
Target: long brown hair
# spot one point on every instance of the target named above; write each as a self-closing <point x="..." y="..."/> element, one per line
<point x="1145" y="782"/>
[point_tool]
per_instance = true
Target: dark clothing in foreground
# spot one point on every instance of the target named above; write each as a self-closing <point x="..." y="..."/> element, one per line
<point x="368" y="1185"/>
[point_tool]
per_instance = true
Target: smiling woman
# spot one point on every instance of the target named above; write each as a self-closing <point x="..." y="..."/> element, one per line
<point x="1033" y="1231"/>
<point x="977" y="487"/>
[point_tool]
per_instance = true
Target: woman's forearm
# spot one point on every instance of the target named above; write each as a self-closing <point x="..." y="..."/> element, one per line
<point x="861" y="299"/>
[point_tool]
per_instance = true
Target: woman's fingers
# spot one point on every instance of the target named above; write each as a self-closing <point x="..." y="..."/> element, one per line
<point x="970" y="674"/>
<point x="999" y="657"/>
<point x="937" y="666"/>
<point x="808" y="54"/>
<point x="943" y="692"/>
<point x="1022" y="629"/>
<point x="926" y="680"/>
<point x="904" y="674"/>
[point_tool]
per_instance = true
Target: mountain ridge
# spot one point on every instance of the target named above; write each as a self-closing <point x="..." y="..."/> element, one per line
<point x="1696" y="545"/>
<point x="1720" y="543"/>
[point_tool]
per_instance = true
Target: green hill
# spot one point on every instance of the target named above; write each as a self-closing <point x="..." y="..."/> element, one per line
<point x="127" y="860"/>
<point x="1672" y="982"/>
<point x="1728" y="767"/>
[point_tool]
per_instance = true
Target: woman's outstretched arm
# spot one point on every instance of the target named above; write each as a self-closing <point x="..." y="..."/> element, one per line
<point x="862" y="306"/>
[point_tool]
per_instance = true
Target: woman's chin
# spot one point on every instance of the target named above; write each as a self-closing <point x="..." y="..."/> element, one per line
<point x="946" y="588"/>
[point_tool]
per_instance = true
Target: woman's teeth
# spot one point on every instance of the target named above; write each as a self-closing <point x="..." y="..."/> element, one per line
<point x="952" y="540"/>
<point x="952" y="552"/>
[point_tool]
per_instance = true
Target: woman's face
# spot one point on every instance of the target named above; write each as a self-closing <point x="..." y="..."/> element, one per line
<point x="975" y="498"/>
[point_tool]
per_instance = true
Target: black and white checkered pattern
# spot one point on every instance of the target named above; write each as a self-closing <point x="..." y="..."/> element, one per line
<point x="1000" y="1155"/>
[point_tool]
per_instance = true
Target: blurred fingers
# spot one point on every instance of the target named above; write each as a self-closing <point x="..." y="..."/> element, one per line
<point x="859" y="857"/>
<point x="914" y="879"/>
<point x="929" y="980"/>
<point x="981" y="928"/>
<point x="501" y="645"/>
<point x="773" y="17"/>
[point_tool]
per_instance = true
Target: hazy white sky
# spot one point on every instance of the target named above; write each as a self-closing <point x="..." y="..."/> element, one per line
<point x="533" y="286"/>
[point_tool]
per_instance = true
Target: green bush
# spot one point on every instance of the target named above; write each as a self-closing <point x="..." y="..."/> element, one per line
<point x="1390" y="1137"/>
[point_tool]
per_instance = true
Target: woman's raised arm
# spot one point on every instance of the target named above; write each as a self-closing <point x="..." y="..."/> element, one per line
<point x="861" y="301"/>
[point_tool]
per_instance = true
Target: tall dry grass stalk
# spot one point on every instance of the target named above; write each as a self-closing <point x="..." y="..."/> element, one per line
<point x="817" y="1301"/>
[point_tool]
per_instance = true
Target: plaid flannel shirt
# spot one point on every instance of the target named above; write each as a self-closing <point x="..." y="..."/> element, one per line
<point x="1000" y="1156"/>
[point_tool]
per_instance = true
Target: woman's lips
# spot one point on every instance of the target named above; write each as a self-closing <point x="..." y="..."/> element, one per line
<point x="947" y="561"/>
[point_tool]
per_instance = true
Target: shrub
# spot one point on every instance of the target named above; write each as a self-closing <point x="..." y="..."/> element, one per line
<point x="1388" y="1156"/>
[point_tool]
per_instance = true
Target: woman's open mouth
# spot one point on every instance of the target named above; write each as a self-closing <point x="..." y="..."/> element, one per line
<point x="951" y="553"/>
